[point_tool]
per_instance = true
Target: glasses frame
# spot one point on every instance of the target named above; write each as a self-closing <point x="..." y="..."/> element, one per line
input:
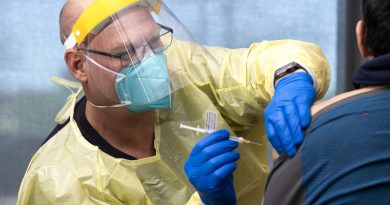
<point x="116" y="56"/>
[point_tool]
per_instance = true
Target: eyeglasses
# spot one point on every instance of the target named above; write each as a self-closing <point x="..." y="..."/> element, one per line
<point x="135" y="53"/>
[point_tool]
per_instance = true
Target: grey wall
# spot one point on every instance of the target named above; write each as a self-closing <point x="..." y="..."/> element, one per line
<point x="30" y="53"/>
<point x="239" y="23"/>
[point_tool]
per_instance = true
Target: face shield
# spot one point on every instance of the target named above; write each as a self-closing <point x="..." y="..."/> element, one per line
<point x="128" y="39"/>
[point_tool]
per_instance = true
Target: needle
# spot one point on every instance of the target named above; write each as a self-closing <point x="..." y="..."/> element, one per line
<point x="242" y="140"/>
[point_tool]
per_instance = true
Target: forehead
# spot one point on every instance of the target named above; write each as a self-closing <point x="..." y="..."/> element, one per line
<point x="131" y="24"/>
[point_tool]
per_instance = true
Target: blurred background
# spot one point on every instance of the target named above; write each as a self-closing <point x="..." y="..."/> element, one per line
<point x="30" y="53"/>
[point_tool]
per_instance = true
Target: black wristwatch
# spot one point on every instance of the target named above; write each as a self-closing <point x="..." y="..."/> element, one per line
<point x="287" y="69"/>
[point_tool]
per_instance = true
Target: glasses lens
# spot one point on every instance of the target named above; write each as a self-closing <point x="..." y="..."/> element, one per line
<point x="161" y="43"/>
<point x="157" y="44"/>
<point x="166" y="38"/>
<point x="132" y="56"/>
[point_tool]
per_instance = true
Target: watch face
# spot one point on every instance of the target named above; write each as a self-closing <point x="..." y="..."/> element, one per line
<point x="287" y="68"/>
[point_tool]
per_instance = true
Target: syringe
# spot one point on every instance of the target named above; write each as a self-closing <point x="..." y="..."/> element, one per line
<point x="198" y="130"/>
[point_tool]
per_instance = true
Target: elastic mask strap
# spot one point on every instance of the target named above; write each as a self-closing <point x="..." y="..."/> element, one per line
<point x="121" y="76"/>
<point x="67" y="111"/>
<point x="123" y="104"/>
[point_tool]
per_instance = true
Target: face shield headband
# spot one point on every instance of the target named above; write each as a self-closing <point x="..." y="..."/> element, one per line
<point x="99" y="11"/>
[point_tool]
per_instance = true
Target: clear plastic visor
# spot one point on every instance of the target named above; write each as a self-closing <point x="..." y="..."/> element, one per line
<point x="131" y="45"/>
<point x="139" y="55"/>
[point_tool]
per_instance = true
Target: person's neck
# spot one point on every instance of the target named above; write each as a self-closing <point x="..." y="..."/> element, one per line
<point x="131" y="133"/>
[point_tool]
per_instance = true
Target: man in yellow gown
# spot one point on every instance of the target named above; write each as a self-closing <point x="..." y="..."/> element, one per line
<point x="143" y="76"/>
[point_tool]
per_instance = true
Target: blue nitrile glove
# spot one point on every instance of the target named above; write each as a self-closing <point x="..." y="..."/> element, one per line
<point x="210" y="168"/>
<point x="288" y="112"/>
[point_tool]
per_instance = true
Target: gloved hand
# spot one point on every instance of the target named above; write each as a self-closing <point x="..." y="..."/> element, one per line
<point x="288" y="113"/>
<point x="210" y="168"/>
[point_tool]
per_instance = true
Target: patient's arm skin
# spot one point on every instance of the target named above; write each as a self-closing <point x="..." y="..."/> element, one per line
<point x="317" y="107"/>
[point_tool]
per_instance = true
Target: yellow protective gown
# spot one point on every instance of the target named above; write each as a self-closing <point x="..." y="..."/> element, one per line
<point x="237" y="85"/>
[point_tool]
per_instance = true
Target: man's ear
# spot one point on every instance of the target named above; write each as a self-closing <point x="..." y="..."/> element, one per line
<point x="361" y="40"/>
<point x="75" y="63"/>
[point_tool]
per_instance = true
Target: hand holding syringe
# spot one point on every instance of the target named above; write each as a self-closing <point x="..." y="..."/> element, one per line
<point x="198" y="130"/>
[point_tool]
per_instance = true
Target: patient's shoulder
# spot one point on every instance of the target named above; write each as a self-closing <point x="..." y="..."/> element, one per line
<point x="350" y="112"/>
<point x="342" y="158"/>
<point x="348" y="141"/>
<point x="316" y="108"/>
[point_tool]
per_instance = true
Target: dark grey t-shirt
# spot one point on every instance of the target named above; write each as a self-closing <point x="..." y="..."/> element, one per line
<point x="345" y="157"/>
